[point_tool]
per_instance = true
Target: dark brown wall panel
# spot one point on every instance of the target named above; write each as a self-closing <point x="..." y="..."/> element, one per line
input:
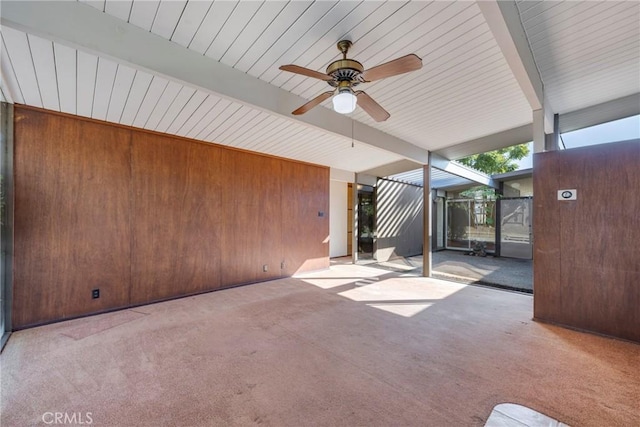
<point x="546" y="231"/>
<point x="305" y="234"/>
<point x="251" y="234"/>
<point x="176" y="217"/>
<point x="71" y="217"/>
<point x="146" y="217"/>
<point x="586" y="268"/>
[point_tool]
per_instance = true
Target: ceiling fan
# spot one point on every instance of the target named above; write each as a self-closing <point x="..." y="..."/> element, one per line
<point x="344" y="74"/>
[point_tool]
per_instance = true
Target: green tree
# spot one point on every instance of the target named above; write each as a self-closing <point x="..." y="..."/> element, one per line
<point x="497" y="161"/>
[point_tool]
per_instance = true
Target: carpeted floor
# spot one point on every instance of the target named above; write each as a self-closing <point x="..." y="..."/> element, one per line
<point x="353" y="346"/>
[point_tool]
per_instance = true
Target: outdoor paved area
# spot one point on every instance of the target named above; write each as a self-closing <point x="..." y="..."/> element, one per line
<point x="510" y="273"/>
<point x="505" y="272"/>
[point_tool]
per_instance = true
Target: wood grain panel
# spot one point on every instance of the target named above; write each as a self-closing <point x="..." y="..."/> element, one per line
<point x="252" y="228"/>
<point x="71" y="217"/>
<point x="599" y="237"/>
<point x="146" y="217"/>
<point x="305" y="234"/>
<point x="176" y="217"/>
<point x="547" y="301"/>
<point x="597" y="251"/>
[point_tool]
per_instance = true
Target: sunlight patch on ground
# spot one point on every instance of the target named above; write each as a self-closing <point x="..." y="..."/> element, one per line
<point x="398" y="265"/>
<point x="404" y="309"/>
<point x="340" y="275"/>
<point x="402" y="289"/>
<point x="403" y="296"/>
<point x="328" y="283"/>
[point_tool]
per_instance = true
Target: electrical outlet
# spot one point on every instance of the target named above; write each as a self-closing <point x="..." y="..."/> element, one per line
<point x="282" y="265"/>
<point x="320" y="214"/>
<point x="95" y="293"/>
<point x="265" y="268"/>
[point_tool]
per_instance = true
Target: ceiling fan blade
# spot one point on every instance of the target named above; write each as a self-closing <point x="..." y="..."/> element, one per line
<point x="372" y="108"/>
<point x="400" y="65"/>
<point x="315" y="101"/>
<point x="305" y="72"/>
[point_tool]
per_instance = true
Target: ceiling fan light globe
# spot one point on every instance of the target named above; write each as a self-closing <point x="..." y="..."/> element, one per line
<point x="344" y="102"/>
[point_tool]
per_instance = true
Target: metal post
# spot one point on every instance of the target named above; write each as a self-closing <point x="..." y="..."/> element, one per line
<point x="427" y="229"/>
<point x="354" y="223"/>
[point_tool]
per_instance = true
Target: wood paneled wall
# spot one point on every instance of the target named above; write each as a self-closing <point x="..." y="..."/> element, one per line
<point x="177" y="218"/>
<point x="72" y="218"/>
<point x="306" y="197"/>
<point x="253" y="210"/>
<point x="587" y="251"/>
<point x="146" y="217"/>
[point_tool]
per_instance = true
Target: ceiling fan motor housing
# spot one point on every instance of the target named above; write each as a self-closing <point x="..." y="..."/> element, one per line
<point x="345" y="70"/>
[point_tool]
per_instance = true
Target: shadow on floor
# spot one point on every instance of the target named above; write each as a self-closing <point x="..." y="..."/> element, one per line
<point x="506" y="273"/>
<point x="510" y="273"/>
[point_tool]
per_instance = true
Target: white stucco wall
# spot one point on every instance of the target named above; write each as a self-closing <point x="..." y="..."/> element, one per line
<point x="337" y="219"/>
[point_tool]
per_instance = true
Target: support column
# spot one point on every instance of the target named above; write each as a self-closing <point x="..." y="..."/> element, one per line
<point x="552" y="140"/>
<point x="427" y="229"/>
<point x="538" y="131"/>
<point x="354" y="220"/>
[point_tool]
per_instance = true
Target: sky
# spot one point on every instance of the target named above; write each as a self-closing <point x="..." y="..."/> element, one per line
<point x="618" y="130"/>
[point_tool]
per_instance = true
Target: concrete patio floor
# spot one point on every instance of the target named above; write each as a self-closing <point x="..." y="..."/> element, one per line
<point x="511" y="273"/>
<point x="508" y="273"/>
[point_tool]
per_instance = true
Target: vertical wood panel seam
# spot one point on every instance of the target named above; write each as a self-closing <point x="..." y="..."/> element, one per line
<point x="131" y="216"/>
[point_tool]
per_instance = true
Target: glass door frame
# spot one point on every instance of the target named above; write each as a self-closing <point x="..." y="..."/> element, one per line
<point x="471" y="203"/>
<point x="369" y="190"/>
<point x="519" y="249"/>
<point x="439" y="223"/>
<point x="447" y="224"/>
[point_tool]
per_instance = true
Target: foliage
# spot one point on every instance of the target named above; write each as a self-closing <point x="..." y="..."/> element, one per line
<point x="491" y="163"/>
<point x="479" y="192"/>
<point x="497" y="161"/>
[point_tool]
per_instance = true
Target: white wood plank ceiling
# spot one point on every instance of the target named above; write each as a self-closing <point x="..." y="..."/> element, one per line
<point x="440" y="179"/>
<point x="587" y="52"/>
<point x="465" y="90"/>
<point x="63" y="79"/>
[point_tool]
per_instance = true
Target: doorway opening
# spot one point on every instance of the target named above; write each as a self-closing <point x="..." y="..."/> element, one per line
<point x="516" y="227"/>
<point x="366" y="222"/>
<point x="470" y="222"/>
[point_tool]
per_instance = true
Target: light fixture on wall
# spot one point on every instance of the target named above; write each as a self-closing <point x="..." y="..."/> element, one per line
<point x="345" y="101"/>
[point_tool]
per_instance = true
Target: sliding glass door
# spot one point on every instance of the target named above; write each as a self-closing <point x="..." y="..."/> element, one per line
<point x="471" y="222"/>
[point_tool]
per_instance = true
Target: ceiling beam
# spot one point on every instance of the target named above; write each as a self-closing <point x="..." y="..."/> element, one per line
<point x="462" y="171"/>
<point x="341" y="175"/>
<point x="83" y="27"/>
<point x="597" y="114"/>
<point x="503" y="19"/>
<point x="602" y="113"/>
<point x="507" y="138"/>
<point x="393" y="168"/>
